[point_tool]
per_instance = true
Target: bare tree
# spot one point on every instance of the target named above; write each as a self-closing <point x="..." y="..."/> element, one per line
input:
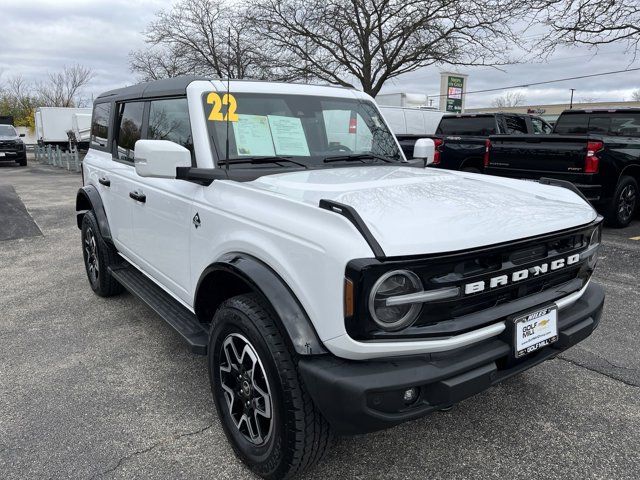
<point x="510" y="99"/>
<point x="635" y="96"/>
<point x="368" y="42"/>
<point x="160" y="62"/>
<point x="64" y="88"/>
<point x="18" y="99"/>
<point x="591" y="22"/>
<point x="201" y="37"/>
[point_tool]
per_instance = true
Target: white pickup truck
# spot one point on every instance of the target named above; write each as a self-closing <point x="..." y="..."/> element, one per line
<point x="334" y="287"/>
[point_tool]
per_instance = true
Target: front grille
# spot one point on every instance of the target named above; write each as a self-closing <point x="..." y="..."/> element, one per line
<point x="8" y="146"/>
<point x="459" y="269"/>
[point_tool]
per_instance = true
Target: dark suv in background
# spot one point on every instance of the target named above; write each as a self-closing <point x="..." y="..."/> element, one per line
<point x="12" y="148"/>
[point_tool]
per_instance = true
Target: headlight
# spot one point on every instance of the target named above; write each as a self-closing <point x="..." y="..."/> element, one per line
<point x="596" y="236"/>
<point x="393" y="284"/>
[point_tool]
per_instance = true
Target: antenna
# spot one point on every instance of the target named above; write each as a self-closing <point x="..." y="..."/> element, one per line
<point x="228" y="97"/>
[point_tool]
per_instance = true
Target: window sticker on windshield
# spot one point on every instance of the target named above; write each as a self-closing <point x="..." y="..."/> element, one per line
<point x="288" y="136"/>
<point x="217" y="102"/>
<point x="253" y="135"/>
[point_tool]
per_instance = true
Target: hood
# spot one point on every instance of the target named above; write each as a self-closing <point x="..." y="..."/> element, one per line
<point x="9" y="137"/>
<point x="413" y="211"/>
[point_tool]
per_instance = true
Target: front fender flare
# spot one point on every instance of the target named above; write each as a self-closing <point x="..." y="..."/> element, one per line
<point x="88" y="198"/>
<point x="264" y="280"/>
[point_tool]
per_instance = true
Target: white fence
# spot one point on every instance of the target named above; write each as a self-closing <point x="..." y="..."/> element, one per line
<point x="48" y="155"/>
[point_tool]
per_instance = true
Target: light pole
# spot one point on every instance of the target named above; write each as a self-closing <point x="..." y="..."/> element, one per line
<point x="571" y="101"/>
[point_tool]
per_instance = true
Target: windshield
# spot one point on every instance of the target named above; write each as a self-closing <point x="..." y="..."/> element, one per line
<point x="306" y="130"/>
<point x="7" y="131"/>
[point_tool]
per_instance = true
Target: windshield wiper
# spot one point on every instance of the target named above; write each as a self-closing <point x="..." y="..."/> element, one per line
<point x="357" y="157"/>
<point x="259" y="160"/>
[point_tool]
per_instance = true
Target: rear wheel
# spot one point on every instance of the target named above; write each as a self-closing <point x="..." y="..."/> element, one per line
<point x="471" y="170"/>
<point x="624" y="203"/>
<point x="98" y="257"/>
<point x="266" y="413"/>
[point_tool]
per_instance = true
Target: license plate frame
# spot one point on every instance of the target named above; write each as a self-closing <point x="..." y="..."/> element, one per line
<point x="541" y="327"/>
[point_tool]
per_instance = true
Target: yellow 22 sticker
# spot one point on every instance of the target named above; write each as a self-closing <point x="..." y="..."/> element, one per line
<point x="216" y="110"/>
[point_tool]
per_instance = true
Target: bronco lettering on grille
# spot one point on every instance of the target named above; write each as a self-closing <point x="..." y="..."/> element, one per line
<point x="520" y="275"/>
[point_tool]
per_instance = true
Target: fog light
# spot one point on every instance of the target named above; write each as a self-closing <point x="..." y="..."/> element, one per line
<point x="410" y="395"/>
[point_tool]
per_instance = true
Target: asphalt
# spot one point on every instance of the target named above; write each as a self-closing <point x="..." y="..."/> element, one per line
<point x="15" y="219"/>
<point x="94" y="388"/>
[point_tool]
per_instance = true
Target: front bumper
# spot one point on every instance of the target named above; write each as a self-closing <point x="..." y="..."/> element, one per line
<point x="12" y="155"/>
<point x="364" y="396"/>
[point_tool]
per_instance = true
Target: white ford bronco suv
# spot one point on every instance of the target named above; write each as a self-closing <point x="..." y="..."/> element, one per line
<point x="334" y="286"/>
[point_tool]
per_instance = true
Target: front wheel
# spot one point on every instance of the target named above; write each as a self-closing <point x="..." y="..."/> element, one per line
<point x="624" y="203"/>
<point x="98" y="257"/>
<point x="266" y="413"/>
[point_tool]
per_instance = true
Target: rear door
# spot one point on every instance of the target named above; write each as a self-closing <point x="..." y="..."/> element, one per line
<point x="163" y="222"/>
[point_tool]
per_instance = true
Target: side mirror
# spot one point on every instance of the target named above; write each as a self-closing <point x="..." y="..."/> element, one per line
<point x="424" y="149"/>
<point x="159" y="158"/>
<point x="22" y="134"/>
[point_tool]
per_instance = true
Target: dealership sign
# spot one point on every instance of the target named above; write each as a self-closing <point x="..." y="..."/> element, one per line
<point x="452" y="92"/>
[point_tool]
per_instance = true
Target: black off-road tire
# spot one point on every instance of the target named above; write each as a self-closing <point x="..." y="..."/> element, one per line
<point x="298" y="435"/>
<point x="624" y="204"/>
<point x="471" y="170"/>
<point x="23" y="161"/>
<point x="98" y="252"/>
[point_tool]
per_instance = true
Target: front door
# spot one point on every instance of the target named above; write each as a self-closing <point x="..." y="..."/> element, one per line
<point x="162" y="218"/>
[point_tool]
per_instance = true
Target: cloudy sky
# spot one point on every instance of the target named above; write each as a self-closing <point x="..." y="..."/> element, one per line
<point x="38" y="36"/>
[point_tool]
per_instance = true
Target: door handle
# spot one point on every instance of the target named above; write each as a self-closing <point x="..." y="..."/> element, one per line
<point x="138" y="197"/>
<point x="104" y="181"/>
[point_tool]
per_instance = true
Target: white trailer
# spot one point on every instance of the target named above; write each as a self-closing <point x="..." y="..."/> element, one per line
<point x="402" y="99"/>
<point x="53" y="123"/>
<point x="81" y="126"/>
<point x="411" y="121"/>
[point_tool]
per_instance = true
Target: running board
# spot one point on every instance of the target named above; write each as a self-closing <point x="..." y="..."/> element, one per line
<point x="171" y="311"/>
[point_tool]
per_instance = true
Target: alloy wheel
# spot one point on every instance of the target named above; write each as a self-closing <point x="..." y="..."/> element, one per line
<point x="246" y="389"/>
<point x="626" y="202"/>
<point x="91" y="255"/>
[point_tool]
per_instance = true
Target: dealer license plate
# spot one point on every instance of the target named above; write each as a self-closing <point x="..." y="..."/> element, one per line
<point x="535" y="330"/>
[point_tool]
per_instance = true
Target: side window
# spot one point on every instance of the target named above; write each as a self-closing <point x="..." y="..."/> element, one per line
<point x="540" y="127"/>
<point x="515" y="124"/>
<point x="130" y="129"/>
<point x="100" y="125"/>
<point x="169" y="120"/>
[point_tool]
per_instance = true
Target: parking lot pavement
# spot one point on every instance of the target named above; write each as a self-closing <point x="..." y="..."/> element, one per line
<point x="94" y="388"/>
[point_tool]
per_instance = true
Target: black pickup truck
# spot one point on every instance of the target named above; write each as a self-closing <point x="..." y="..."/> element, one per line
<point x="461" y="139"/>
<point x="596" y="150"/>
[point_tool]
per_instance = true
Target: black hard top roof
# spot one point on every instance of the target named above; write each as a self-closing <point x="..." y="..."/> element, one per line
<point x="157" y="88"/>
<point x="166" y="87"/>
